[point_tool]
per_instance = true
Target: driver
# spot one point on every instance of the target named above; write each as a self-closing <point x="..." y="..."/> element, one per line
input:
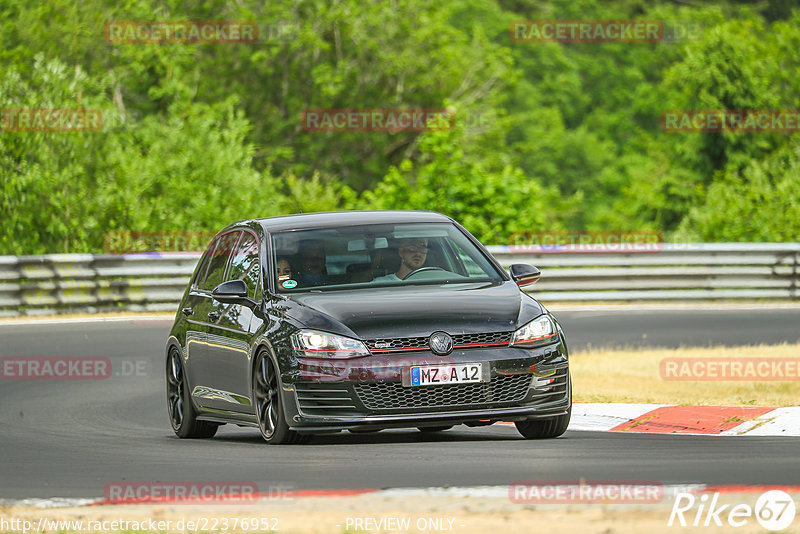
<point x="313" y="271"/>
<point x="412" y="252"/>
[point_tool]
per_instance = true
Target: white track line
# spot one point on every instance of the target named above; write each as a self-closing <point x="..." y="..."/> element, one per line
<point x="99" y="319"/>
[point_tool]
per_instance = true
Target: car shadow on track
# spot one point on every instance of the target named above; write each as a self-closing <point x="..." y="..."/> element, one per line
<point x="463" y="434"/>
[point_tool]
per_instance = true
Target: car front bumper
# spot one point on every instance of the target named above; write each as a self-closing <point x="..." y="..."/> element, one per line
<point x="369" y="393"/>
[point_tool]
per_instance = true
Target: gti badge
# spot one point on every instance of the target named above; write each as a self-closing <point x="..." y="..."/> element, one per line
<point x="441" y="343"/>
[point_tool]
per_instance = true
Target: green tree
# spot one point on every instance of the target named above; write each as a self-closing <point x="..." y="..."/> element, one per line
<point x="495" y="204"/>
<point x="760" y="202"/>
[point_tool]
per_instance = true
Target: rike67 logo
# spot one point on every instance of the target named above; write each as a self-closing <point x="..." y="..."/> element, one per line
<point x="774" y="510"/>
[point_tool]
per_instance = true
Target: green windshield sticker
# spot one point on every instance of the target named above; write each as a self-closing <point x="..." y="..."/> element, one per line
<point x="289" y="284"/>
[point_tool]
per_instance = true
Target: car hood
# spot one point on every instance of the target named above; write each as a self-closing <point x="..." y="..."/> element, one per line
<point x="417" y="310"/>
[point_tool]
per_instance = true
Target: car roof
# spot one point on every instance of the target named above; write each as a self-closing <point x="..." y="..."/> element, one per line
<point x="345" y="218"/>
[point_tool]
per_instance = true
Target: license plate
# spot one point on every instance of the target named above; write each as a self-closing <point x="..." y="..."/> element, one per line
<point x="465" y="373"/>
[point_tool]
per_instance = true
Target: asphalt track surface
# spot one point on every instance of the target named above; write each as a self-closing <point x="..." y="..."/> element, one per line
<point x="71" y="438"/>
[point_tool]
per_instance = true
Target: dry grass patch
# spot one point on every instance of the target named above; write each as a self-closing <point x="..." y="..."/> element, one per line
<point x="633" y="376"/>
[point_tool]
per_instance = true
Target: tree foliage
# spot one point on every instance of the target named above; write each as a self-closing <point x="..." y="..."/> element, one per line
<point x="547" y="135"/>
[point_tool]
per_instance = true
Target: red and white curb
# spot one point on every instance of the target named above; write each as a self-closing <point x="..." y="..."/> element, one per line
<point x="671" y="419"/>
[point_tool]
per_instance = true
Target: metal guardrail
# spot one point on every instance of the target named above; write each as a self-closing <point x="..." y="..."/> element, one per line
<point x="57" y="283"/>
<point x="675" y="272"/>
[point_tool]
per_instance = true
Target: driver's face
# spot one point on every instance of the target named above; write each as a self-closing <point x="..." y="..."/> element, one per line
<point x="413" y="253"/>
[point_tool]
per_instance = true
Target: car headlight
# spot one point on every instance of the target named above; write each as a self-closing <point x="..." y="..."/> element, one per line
<point x="540" y="331"/>
<point x="316" y="344"/>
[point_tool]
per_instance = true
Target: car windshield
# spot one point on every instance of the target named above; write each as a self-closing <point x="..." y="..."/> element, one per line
<point x="377" y="255"/>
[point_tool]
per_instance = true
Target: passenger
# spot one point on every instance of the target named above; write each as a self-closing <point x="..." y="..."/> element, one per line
<point x="413" y="252"/>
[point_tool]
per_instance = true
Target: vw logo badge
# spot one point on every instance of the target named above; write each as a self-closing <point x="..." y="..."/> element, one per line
<point x="441" y="343"/>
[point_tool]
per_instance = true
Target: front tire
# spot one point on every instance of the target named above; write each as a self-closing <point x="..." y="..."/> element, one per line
<point x="544" y="428"/>
<point x="182" y="415"/>
<point x="549" y="428"/>
<point x="268" y="404"/>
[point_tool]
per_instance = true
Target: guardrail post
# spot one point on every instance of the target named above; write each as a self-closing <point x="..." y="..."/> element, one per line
<point x="795" y="293"/>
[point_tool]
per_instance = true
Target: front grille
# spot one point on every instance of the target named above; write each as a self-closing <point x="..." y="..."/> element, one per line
<point x="492" y="338"/>
<point x="398" y="343"/>
<point x="393" y="395"/>
<point x="421" y="343"/>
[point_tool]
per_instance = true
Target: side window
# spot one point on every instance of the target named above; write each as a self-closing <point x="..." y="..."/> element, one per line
<point x="244" y="265"/>
<point x="219" y="261"/>
<point x="200" y="273"/>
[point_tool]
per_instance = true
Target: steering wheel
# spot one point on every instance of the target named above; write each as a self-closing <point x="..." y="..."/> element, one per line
<point x="420" y="270"/>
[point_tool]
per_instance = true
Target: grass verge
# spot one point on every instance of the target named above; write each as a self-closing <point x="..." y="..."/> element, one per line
<point x="634" y="376"/>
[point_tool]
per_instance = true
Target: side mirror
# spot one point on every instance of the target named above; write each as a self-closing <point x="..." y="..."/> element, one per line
<point x="524" y="274"/>
<point x="232" y="292"/>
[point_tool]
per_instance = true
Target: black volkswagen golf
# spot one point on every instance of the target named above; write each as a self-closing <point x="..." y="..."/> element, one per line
<point x="364" y="321"/>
